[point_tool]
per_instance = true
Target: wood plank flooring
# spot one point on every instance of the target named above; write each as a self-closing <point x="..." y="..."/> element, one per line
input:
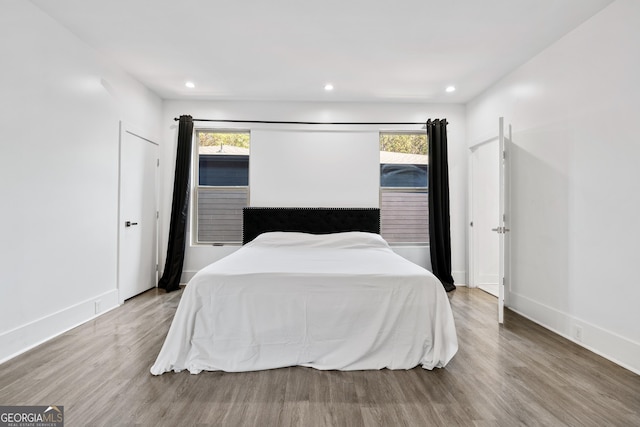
<point x="519" y="374"/>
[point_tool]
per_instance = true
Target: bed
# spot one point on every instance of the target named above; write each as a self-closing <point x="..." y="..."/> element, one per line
<point x="334" y="298"/>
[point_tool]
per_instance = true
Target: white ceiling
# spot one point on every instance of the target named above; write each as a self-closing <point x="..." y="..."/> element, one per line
<point x="371" y="50"/>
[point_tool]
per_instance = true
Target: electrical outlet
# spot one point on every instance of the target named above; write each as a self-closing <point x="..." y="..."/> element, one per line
<point x="578" y="333"/>
<point x="97" y="306"/>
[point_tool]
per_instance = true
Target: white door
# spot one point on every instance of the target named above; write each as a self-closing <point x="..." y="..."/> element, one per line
<point x="489" y="213"/>
<point x="137" y="254"/>
<point x="503" y="228"/>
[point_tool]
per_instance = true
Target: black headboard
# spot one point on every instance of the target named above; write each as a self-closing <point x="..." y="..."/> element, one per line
<point x="308" y="220"/>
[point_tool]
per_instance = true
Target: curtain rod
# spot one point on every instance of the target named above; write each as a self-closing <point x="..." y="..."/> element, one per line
<point x="309" y="123"/>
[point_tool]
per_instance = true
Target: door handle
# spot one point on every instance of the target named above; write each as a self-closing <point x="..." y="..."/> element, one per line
<point x="500" y="230"/>
<point x="129" y="223"/>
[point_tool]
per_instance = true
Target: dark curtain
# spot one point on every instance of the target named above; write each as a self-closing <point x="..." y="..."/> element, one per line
<point x="439" y="220"/>
<point x="170" y="280"/>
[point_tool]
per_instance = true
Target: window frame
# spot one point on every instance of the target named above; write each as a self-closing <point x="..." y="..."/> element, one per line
<point x="197" y="188"/>
<point x="404" y="189"/>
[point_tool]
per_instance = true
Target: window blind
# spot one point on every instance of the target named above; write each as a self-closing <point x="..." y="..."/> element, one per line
<point x="220" y="214"/>
<point x="404" y="215"/>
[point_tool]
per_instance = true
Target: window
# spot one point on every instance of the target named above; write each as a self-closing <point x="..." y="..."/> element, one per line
<point x="404" y="192"/>
<point x="223" y="185"/>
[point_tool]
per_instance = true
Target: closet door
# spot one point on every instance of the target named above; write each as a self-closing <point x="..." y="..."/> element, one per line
<point x="137" y="254"/>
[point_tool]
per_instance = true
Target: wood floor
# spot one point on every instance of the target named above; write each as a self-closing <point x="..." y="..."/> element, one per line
<point x="518" y="374"/>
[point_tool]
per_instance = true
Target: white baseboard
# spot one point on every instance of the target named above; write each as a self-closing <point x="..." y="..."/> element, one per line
<point x="611" y="346"/>
<point x="459" y="278"/>
<point x="32" y="334"/>
<point x="487" y="279"/>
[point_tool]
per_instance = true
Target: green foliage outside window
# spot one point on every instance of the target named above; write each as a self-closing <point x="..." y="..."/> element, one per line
<point x="409" y="143"/>
<point x="230" y="139"/>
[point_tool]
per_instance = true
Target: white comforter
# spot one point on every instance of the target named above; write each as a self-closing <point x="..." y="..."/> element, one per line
<point x="342" y="301"/>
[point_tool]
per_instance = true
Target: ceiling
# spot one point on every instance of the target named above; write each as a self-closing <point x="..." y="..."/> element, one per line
<point x="370" y="50"/>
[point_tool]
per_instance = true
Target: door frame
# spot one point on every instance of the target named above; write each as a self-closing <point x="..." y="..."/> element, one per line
<point x="471" y="259"/>
<point x="504" y="258"/>
<point x="473" y="215"/>
<point x="125" y="128"/>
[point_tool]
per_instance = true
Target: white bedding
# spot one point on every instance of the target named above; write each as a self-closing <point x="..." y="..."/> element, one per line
<point x="342" y="301"/>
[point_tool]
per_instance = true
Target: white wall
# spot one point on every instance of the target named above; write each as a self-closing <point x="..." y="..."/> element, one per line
<point x="59" y="114"/>
<point x="574" y="109"/>
<point x="314" y="168"/>
<point x="199" y="256"/>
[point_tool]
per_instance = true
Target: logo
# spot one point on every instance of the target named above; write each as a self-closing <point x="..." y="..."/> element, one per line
<point x="31" y="416"/>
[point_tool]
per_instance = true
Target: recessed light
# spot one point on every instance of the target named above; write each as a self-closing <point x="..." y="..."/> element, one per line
<point x="450" y="89"/>
<point x="328" y="87"/>
<point x="190" y="85"/>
